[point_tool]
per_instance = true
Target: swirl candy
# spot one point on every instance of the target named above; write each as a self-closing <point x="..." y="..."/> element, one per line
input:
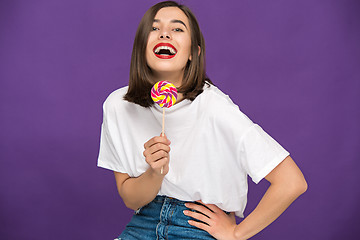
<point x="164" y="94"/>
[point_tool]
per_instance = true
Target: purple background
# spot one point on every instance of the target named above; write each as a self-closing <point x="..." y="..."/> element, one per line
<point x="291" y="66"/>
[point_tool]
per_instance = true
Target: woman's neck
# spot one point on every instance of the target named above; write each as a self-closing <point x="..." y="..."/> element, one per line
<point x="175" y="79"/>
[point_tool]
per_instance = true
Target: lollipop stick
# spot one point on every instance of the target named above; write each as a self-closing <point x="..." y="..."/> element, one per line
<point x="163" y="123"/>
<point x="163" y="134"/>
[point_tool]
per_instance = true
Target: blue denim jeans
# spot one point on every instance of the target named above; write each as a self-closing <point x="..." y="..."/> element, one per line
<point x="161" y="219"/>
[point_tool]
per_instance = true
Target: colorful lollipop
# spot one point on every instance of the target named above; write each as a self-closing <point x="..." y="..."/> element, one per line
<point x="164" y="94"/>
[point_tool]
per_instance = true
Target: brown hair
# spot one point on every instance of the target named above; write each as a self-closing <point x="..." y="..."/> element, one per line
<point x="194" y="78"/>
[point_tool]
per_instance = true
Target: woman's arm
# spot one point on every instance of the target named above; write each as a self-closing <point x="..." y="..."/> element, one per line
<point x="139" y="191"/>
<point x="287" y="184"/>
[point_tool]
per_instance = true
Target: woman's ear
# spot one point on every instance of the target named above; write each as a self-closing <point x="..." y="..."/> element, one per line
<point x="198" y="53"/>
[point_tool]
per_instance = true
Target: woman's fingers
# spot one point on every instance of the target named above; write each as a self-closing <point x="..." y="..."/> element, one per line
<point x="197" y="215"/>
<point x="154" y="157"/>
<point x="159" y="164"/>
<point x="156" y="153"/>
<point x="156" y="148"/>
<point x="200" y="225"/>
<point x="200" y="208"/>
<point x="212" y="219"/>
<point x="155" y="140"/>
<point x="212" y="207"/>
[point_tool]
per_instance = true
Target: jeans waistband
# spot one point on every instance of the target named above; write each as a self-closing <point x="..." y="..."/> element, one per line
<point x="170" y="200"/>
<point x="161" y="199"/>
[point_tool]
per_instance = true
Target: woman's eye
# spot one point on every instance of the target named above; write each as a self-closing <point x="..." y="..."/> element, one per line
<point x="178" y="30"/>
<point x="154" y="28"/>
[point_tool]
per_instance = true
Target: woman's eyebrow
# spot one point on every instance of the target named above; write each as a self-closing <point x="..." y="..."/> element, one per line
<point x="179" y="21"/>
<point x="173" y="21"/>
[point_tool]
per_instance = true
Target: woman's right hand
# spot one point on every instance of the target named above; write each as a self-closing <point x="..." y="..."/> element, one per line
<point x="157" y="154"/>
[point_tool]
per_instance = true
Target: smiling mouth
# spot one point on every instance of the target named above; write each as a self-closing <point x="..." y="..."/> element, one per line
<point x="164" y="51"/>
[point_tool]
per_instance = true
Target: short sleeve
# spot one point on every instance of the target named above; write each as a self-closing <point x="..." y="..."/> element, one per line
<point x="108" y="157"/>
<point x="260" y="153"/>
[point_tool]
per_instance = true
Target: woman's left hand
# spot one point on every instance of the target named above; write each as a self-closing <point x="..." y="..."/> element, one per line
<point x="213" y="220"/>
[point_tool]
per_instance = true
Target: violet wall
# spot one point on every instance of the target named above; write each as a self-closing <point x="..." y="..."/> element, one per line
<point x="292" y="66"/>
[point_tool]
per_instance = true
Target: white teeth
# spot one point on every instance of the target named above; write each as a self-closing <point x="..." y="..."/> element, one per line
<point x="172" y="51"/>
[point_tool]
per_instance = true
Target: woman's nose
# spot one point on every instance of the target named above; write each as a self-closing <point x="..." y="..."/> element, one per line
<point x="164" y="35"/>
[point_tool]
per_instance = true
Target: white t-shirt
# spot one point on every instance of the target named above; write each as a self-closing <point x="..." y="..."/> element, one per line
<point x="214" y="146"/>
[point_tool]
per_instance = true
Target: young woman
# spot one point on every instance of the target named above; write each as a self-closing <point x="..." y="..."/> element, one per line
<point x="209" y="149"/>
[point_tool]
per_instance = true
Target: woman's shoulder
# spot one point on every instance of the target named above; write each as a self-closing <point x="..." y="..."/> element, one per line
<point x="221" y="106"/>
<point x="116" y="98"/>
<point x="216" y="97"/>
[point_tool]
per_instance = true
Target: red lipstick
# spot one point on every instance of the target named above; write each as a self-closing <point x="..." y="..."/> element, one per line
<point x="164" y="50"/>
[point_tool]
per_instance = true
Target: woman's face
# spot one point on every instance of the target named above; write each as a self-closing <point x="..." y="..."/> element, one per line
<point x="169" y="44"/>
